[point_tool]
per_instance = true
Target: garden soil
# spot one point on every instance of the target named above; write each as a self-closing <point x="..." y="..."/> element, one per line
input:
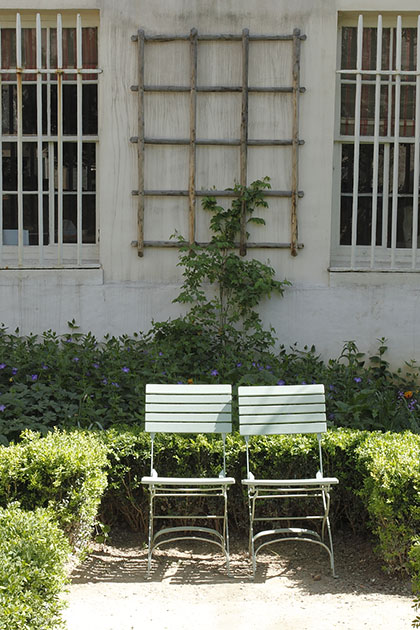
<point x="190" y="590"/>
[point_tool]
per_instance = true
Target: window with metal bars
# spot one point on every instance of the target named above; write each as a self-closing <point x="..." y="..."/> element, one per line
<point x="377" y="145"/>
<point x="48" y="141"/>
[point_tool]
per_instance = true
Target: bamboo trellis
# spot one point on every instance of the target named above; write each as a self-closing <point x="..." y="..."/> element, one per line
<point x="295" y="90"/>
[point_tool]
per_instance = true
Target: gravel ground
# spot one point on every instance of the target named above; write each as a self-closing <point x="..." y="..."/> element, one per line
<point x="189" y="589"/>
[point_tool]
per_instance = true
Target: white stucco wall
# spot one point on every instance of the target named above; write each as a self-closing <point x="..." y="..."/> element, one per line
<point x="126" y="292"/>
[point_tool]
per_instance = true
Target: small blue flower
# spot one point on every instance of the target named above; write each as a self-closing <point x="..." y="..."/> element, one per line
<point x="2" y="366"/>
<point x="125" y="369"/>
<point x="105" y="381"/>
<point x="76" y="359"/>
<point x="2" y="407"/>
<point x="332" y="387"/>
<point x="95" y="365"/>
<point x="281" y="382"/>
<point x="161" y="354"/>
<point x="14" y="370"/>
<point x="44" y="367"/>
<point x="303" y="383"/>
<point x="239" y="365"/>
<point x="34" y="377"/>
<point x="214" y="373"/>
<point x="357" y="379"/>
<point x="115" y="384"/>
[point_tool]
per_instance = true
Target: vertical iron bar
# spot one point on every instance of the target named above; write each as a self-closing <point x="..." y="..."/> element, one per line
<point x="387" y="150"/>
<point x="395" y="173"/>
<point x="193" y="122"/>
<point x="51" y="186"/>
<point x="244" y="136"/>
<point x="59" y="139"/>
<point x="1" y="153"/>
<point x="39" y="137"/>
<point x="19" y="77"/>
<point x="295" y="141"/>
<point x="356" y="157"/>
<point x="79" y="137"/>
<point x="140" y="146"/>
<point x="416" y="157"/>
<point x="376" y="141"/>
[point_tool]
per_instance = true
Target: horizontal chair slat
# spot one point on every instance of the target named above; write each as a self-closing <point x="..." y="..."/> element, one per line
<point x="277" y="429"/>
<point x="187" y="389"/>
<point x="268" y="410"/>
<point x="187" y="398"/>
<point x="286" y="419"/>
<point x="281" y="400"/>
<point x="188" y="427"/>
<point x="276" y="390"/>
<point x="170" y="416"/>
<point x="188" y="408"/>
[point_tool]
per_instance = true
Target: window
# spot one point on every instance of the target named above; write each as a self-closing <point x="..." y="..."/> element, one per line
<point x="377" y="145"/>
<point x="48" y="141"/>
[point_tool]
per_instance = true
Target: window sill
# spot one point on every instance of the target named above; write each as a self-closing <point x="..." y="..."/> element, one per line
<point x="90" y="274"/>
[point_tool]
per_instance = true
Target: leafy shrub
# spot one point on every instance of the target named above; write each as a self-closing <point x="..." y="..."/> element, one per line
<point x="108" y="378"/>
<point x="33" y="553"/>
<point x="65" y="472"/>
<point x="391" y="492"/>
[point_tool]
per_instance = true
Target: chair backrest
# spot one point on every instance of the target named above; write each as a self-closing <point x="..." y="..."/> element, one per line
<point x="282" y="409"/>
<point x="188" y="408"/>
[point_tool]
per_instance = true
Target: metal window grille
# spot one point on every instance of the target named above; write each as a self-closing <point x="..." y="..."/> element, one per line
<point x="377" y="142"/>
<point x="245" y="40"/>
<point x="48" y="105"/>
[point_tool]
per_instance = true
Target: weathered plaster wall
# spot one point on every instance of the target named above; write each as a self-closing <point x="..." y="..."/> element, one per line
<point x="126" y="292"/>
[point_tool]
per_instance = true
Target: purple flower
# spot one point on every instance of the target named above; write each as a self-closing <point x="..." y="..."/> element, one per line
<point x="2" y="407"/>
<point x="95" y="365"/>
<point x="76" y="359"/>
<point x="239" y="365"/>
<point x="14" y="370"/>
<point x="105" y="381"/>
<point x="332" y="387"/>
<point x="115" y="384"/>
<point x="268" y="367"/>
<point x="214" y="373"/>
<point x="357" y="379"/>
<point x="125" y="369"/>
<point x="2" y="366"/>
<point x="44" y="367"/>
<point x="34" y="377"/>
<point x="281" y="382"/>
<point x="161" y="354"/>
<point x="303" y="383"/>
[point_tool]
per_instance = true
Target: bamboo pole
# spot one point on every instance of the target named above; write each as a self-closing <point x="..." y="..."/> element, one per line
<point x="140" y="147"/>
<point x="192" y="143"/>
<point x="295" y="141"/>
<point x="244" y="135"/>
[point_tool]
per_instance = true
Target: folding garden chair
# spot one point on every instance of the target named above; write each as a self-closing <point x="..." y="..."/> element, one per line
<point x="188" y="409"/>
<point x="286" y="410"/>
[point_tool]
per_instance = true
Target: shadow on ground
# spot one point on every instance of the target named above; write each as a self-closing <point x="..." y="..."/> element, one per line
<point x="303" y="565"/>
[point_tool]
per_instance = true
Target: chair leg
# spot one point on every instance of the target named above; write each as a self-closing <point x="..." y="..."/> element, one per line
<point x="150" y="539"/>
<point x="226" y="533"/>
<point x="251" y="510"/>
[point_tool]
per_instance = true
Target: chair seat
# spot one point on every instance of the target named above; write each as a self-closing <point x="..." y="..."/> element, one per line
<point x="190" y="481"/>
<point x="322" y="481"/>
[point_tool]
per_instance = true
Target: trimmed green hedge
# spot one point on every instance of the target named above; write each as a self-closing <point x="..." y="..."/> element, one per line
<point x="33" y="555"/>
<point x="378" y="473"/>
<point x="65" y="472"/>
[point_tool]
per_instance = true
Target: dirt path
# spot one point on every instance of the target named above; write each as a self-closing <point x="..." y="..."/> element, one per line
<point x="189" y="589"/>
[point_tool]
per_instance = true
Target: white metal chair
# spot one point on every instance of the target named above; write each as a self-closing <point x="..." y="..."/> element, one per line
<point x="286" y="410"/>
<point x="188" y="409"/>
